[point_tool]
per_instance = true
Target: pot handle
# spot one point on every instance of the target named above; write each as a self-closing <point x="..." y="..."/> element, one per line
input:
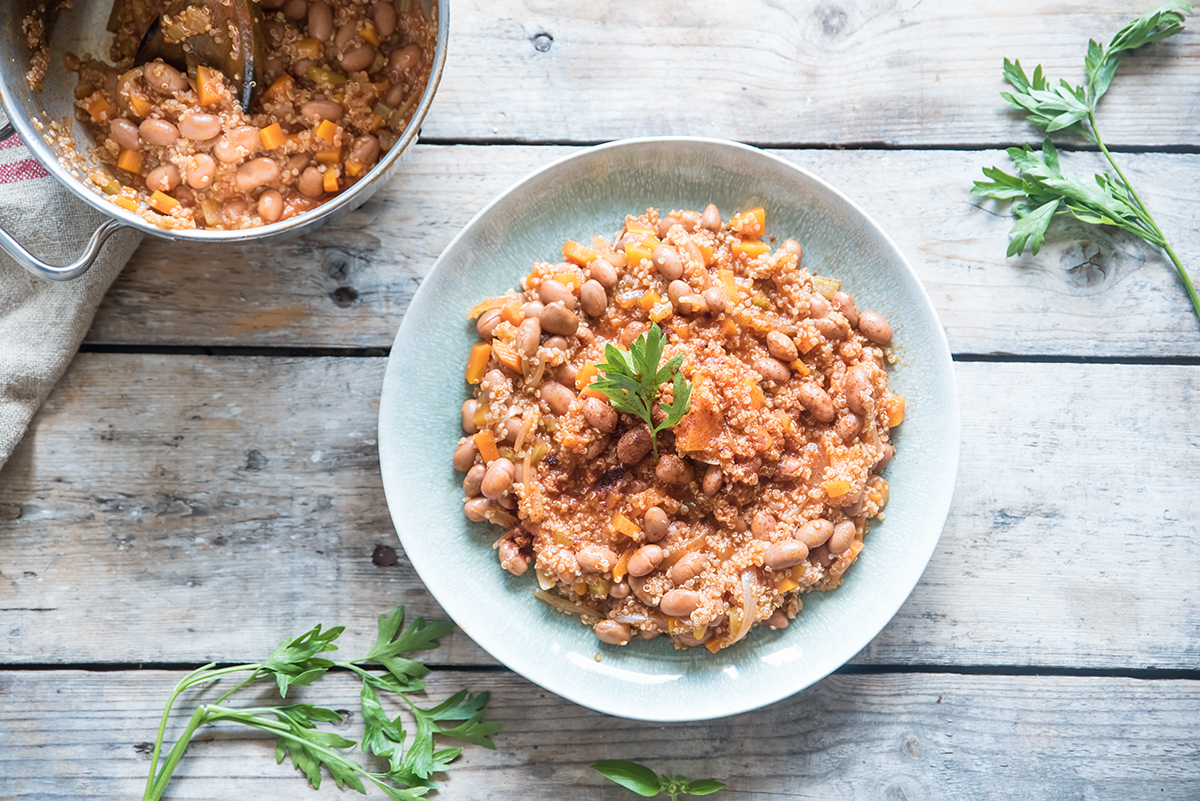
<point x="43" y="269"/>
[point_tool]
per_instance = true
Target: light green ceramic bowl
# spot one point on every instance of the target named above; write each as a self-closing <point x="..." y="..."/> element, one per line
<point x="575" y="198"/>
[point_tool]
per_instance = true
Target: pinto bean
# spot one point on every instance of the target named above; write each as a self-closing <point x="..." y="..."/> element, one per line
<point x="845" y="304"/>
<point x="469" y="408"/>
<point x="714" y="299"/>
<point x="848" y="426"/>
<point x="596" y="558"/>
<point x="511" y="558"/>
<point x="666" y="260"/>
<point x="164" y="177"/>
<point x="158" y="132"/>
<point x="859" y="390"/>
<point x="874" y="328"/>
<point x="814" y="533"/>
<point x="529" y="337"/>
<point x="499" y="478"/>
<point x="256" y="173"/>
<point x="476" y="509"/>
<point x="593" y="298"/>
<point x="772" y="369"/>
<point x="888" y="453"/>
<point x="778" y="620"/>
<point x="320" y="21"/>
<point x="818" y="307"/>
<point x="464" y="454"/>
<point x="792" y="246"/>
<point x="270" y="206"/>
<point x="679" y="603"/>
<point x="843" y="536"/>
<point x="558" y="319"/>
<point x="612" y="632"/>
<point x="404" y="62"/>
<point x="485" y="326"/>
<point x="618" y="590"/>
<point x="600" y="415"/>
<point x="237" y="144"/>
<point x="781" y="346"/>
<point x="295" y="10"/>
<point x="817" y="401"/>
<point x="558" y="343"/>
<point x="199" y="126"/>
<point x="551" y="290"/>
<point x="316" y="110"/>
<point x="364" y="150"/>
<point x="603" y="272"/>
<point x="785" y="553"/>
<point x="125" y="134"/>
<point x="557" y="397"/>
<point x="311" y="183"/>
<point x="164" y="79"/>
<point x="645" y="560"/>
<point x="677" y="290"/>
<point x="762" y="525"/>
<point x="711" y="219"/>
<point x="384" y="15"/>
<point x="790" y="468"/>
<point x="673" y="470"/>
<point x="655" y="524"/>
<point x="358" y="58"/>
<point x="687" y="568"/>
<point x="634" y="445"/>
<point x="713" y="478"/>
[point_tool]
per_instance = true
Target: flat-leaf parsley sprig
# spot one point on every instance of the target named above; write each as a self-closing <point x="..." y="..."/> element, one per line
<point x="646" y="783"/>
<point x="631" y="381"/>
<point x="296" y="663"/>
<point x="1040" y="190"/>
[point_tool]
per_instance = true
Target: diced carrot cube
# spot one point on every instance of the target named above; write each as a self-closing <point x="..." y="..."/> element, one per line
<point x="487" y="446"/>
<point x="328" y="156"/>
<point x="162" y="202"/>
<point x="125" y="202"/>
<point x="624" y="525"/>
<point x="732" y="293"/>
<point x="507" y="355"/>
<point x="578" y="254"/>
<point x="140" y="105"/>
<point x="713" y="646"/>
<point x="585" y="376"/>
<point x="330" y="182"/>
<point x="208" y="85"/>
<point x="786" y="584"/>
<point x="571" y="281"/>
<point x="750" y="224"/>
<point x="837" y="488"/>
<point x="661" y="312"/>
<point x="894" y="405"/>
<point x="327" y="130"/>
<point x="280" y="89"/>
<point x="477" y="362"/>
<point x="649" y="300"/>
<point x="272" y="136"/>
<point x="511" y="313"/>
<point x="130" y="161"/>
<point x="750" y="248"/>
<point x="100" y="109"/>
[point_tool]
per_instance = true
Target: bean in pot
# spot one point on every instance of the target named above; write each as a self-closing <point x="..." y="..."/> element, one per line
<point x="532" y="309"/>
<point x="818" y="307"/>
<point x="295" y="10"/>
<point x="487" y="322"/>
<point x="714" y="298"/>
<point x="859" y="390"/>
<point x="593" y="298"/>
<point x="680" y="603"/>
<point x="845" y="304"/>
<point x="843" y="536"/>
<point x="777" y="620"/>
<point x="404" y="62"/>
<point x="655" y="524"/>
<point x="645" y="560"/>
<point x="311" y="183"/>
<point x="163" y="78"/>
<point x="233" y="211"/>
<point x="316" y="110"/>
<point x="677" y="290"/>
<point x="793" y="247"/>
<point x="557" y="397"/>
<point x="848" y="426"/>
<point x="511" y="558"/>
<point x="364" y="150"/>
<point x="464" y="454"/>
<point x="320" y="21"/>
<point x="164" y="178"/>
<point x="557" y="319"/>
<point x="384" y="14"/>
<point x="673" y="470"/>
<point x="476" y="509"/>
<point x="599" y="415"/>
<point x="235" y="145"/>
<point x="814" y="533"/>
<point x="125" y="133"/>
<point x="762" y="525"/>
<point x="713" y="478"/>
<point x="499" y="478"/>
<point x="256" y="173"/>
<point x="358" y="58"/>
<point x="817" y="401"/>
<point x="469" y="408"/>
<point x="687" y="568"/>
<point x="159" y="132"/>
<point x="612" y="632"/>
<point x="201" y="169"/>
<point x="529" y="336"/>
<point x="711" y="219"/>
<point x="772" y="369"/>
<point x="888" y="453"/>
<point x="551" y="290"/>
<point x="874" y="328"/>
<point x="345" y="34"/>
<point x="199" y="127"/>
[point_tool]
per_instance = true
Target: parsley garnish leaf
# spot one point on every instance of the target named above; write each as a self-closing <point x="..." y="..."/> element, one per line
<point x="631" y="381"/>
<point x="648" y="784"/>
<point x="1040" y="191"/>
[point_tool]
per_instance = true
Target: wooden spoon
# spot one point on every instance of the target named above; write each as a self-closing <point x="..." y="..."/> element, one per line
<point x="204" y="26"/>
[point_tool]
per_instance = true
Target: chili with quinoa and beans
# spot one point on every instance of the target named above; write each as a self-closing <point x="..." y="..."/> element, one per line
<point x="342" y="77"/>
<point x="763" y="490"/>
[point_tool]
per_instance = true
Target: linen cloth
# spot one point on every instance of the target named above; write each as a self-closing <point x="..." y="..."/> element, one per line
<point x="42" y="322"/>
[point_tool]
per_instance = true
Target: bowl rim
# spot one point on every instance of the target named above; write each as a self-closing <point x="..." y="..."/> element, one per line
<point x="346" y="201"/>
<point x="951" y="424"/>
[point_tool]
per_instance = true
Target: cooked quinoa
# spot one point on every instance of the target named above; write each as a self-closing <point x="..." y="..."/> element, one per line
<point x="762" y="492"/>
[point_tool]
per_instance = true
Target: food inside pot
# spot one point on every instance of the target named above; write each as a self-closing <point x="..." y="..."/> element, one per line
<point x="341" y="82"/>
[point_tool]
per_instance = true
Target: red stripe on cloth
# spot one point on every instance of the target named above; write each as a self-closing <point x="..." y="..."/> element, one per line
<point x="23" y="170"/>
<point x="12" y="141"/>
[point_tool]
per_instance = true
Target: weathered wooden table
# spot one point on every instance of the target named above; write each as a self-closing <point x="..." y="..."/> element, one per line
<point x="205" y="482"/>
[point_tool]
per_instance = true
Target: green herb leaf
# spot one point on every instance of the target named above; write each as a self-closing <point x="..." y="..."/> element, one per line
<point x="294" y="661"/>
<point x="630" y="775"/>
<point x="1041" y="191"/>
<point x="632" y="381"/>
<point x="703" y="787"/>
<point x="459" y="707"/>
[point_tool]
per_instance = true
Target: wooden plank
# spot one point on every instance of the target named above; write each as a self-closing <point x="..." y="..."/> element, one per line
<point x="908" y="73"/>
<point x="933" y="736"/>
<point x="179" y="508"/>
<point x="1090" y="291"/>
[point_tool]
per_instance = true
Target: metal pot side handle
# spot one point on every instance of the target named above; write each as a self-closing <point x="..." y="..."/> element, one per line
<point x="43" y="269"/>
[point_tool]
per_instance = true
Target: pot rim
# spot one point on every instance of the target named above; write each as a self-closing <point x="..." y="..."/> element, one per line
<point x="346" y="201"/>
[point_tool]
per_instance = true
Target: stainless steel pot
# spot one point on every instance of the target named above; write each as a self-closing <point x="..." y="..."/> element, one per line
<point x="82" y="30"/>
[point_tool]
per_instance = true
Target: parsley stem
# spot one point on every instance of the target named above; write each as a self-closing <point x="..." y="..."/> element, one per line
<point x="1149" y="218"/>
<point x="159" y="786"/>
